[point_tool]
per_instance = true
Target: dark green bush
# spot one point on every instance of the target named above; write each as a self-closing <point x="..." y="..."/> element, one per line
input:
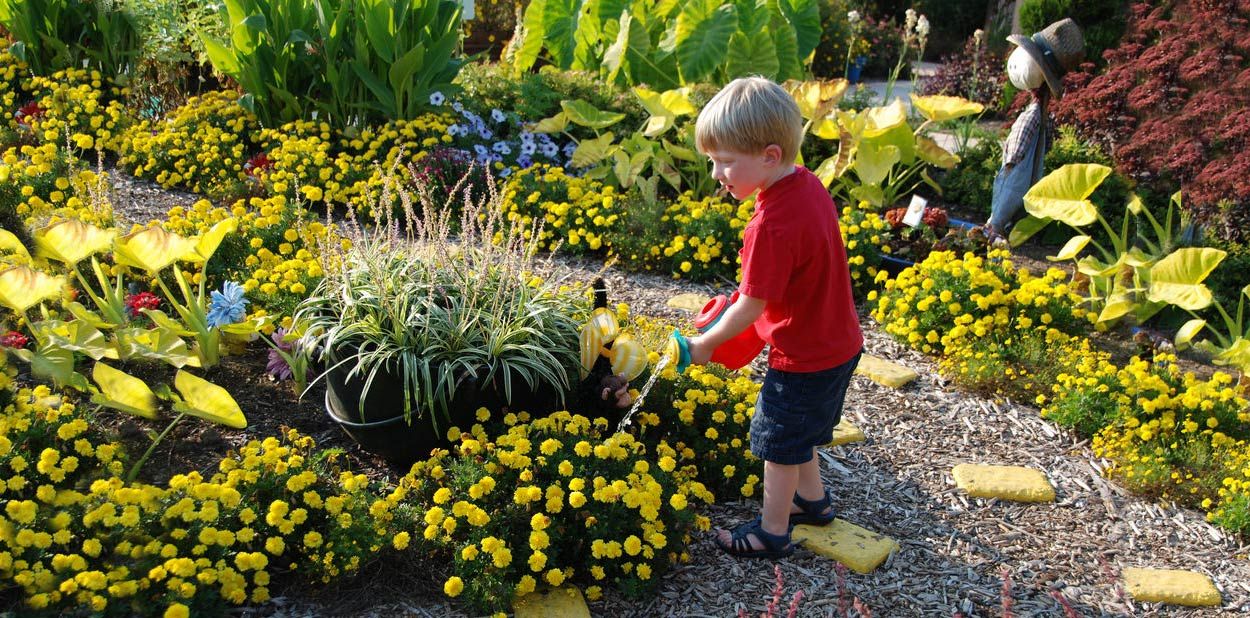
<point x="1101" y="21"/>
<point x="952" y="22"/>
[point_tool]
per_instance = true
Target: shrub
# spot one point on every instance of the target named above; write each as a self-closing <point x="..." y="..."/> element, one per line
<point x="952" y="22"/>
<point x="835" y="35"/>
<point x="1173" y="107"/>
<point x="552" y="501"/>
<point x="1101" y="21"/>
<point x="971" y="182"/>
<point x="52" y="35"/>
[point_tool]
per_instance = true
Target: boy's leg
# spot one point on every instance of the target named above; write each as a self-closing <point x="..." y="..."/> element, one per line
<point x="780" y="483"/>
<point x="811" y="487"/>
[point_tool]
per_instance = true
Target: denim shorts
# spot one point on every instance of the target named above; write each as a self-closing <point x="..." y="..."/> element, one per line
<point x="797" y="412"/>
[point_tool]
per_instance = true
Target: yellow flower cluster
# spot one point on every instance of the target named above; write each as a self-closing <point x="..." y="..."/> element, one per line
<point x="69" y="542"/>
<point x="1167" y="432"/>
<point x="51" y="185"/>
<point x="550" y="500"/>
<point x="709" y="234"/>
<point x="864" y="235"/>
<point x="78" y="109"/>
<point x="275" y="252"/>
<point x="13" y="75"/>
<point x="575" y="214"/>
<point x="946" y="299"/>
<point x="203" y="146"/>
<point x="319" y="165"/>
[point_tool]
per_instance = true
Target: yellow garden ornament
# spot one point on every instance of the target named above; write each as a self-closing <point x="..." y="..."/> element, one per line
<point x="596" y="334"/>
<point x="628" y="356"/>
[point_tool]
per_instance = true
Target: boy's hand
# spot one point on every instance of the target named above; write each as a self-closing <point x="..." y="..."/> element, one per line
<point x="700" y="351"/>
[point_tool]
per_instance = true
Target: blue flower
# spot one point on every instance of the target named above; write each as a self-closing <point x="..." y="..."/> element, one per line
<point x="527" y="137"/>
<point x="528" y="148"/>
<point x="502" y="148"/>
<point x="485" y="133"/>
<point x="437" y="98"/>
<point x="456" y="130"/>
<point x="550" y="150"/>
<point x="480" y="150"/>
<point x="505" y="172"/>
<point x="227" y="306"/>
<point x="497" y="116"/>
<point x="524" y="161"/>
<point x="570" y="148"/>
<point x="456" y="105"/>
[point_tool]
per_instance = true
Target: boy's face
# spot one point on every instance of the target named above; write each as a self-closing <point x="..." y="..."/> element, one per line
<point x="743" y="174"/>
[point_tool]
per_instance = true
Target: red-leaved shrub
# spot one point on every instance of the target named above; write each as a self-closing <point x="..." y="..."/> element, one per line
<point x="1173" y="106"/>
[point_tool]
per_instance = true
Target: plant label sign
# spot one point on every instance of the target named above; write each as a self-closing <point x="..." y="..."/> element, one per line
<point x="915" y="211"/>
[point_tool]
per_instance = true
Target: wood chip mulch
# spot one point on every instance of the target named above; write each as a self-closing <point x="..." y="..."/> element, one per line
<point x="958" y="554"/>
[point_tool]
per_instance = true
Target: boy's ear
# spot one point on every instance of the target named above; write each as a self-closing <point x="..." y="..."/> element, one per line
<point x="772" y="154"/>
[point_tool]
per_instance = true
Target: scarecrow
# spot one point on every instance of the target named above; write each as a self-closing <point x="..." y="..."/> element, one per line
<point x="1044" y="57"/>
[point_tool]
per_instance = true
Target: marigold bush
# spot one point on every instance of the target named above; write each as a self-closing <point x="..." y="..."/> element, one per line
<point x="1168" y="433"/>
<point x="553" y="501"/>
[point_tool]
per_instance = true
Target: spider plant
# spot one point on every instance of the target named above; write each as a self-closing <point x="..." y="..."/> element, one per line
<point x="442" y="311"/>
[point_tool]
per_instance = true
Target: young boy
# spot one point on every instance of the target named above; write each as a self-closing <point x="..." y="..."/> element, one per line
<point x="796" y="289"/>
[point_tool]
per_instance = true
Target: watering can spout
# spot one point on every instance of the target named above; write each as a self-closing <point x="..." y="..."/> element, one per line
<point x="678" y="351"/>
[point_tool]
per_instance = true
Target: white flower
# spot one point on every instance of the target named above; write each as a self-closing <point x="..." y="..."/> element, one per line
<point x="852" y="17"/>
<point x="922" y="27"/>
<point x="437" y="98"/>
<point x="910" y="22"/>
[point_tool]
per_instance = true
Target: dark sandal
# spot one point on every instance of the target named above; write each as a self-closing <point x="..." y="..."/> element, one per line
<point x="775" y="546"/>
<point x="813" y="512"/>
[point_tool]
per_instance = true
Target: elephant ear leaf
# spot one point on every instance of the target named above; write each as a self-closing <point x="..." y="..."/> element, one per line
<point x="122" y="391"/>
<point x="1187" y="332"/>
<point x="1177" y="278"/>
<point x="1062" y="194"/>
<point x="1071" y="249"/>
<point x="208" y="401"/>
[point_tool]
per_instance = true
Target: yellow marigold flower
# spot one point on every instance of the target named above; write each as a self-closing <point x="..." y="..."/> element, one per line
<point x="453" y="586"/>
<point x="400" y="540"/>
<point x="177" y="610"/>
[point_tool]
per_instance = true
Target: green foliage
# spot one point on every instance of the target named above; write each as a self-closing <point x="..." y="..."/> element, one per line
<point x="59" y="34"/>
<point x="953" y="22"/>
<point x="431" y="310"/>
<point x="1101" y="21"/>
<point x="670" y="44"/>
<point x="535" y="95"/>
<point x="172" y="54"/>
<point x="971" y="183"/>
<point x="373" y="60"/>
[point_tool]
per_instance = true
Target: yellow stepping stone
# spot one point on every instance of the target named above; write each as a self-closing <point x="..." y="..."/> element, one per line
<point x="1171" y="586"/>
<point x="1006" y="482"/>
<point x="884" y="372"/>
<point x="845" y="433"/>
<point x="563" y="602"/>
<point x="688" y="301"/>
<point x="861" y="550"/>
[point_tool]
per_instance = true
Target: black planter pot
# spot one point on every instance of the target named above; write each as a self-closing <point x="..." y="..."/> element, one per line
<point x="379" y="425"/>
<point x="894" y="265"/>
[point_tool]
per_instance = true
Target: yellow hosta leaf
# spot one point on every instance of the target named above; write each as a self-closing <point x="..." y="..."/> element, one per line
<point x="1187" y="332"/>
<point x="122" y="391"/>
<point x="934" y="154"/>
<point x="941" y="107"/>
<point x="1177" y="278"/>
<point x="817" y="98"/>
<point x="1118" y="305"/>
<point x="1235" y="355"/>
<point x="71" y="241"/>
<point x="879" y="120"/>
<point x="826" y="128"/>
<point x="22" y="288"/>
<point x="208" y="401"/>
<point x="1071" y="249"/>
<point x="672" y="103"/>
<point x="206" y="244"/>
<point x="11" y="245"/>
<point x="153" y="249"/>
<point x="1061" y="194"/>
<point x="628" y="356"/>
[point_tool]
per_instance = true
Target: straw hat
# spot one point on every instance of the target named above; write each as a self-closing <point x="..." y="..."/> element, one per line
<point x="1057" y="49"/>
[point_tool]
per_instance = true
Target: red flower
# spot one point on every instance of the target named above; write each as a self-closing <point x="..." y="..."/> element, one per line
<point x="14" y="339"/>
<point x="142" y="300"/>
<point x="257" y="164"/>
<point x="26" y="113"/>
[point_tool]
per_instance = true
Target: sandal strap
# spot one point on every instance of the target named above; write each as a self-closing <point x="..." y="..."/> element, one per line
<point x="814" y="507"/>
<point x="771" y="542"/>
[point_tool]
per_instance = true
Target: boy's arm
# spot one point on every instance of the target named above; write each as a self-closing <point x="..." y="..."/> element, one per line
<point x="737" y="318"/>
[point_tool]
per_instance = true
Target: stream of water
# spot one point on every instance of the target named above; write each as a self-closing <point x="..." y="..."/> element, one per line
<point x="642" y="394"/>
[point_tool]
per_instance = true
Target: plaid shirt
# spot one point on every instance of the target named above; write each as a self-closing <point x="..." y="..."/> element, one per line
<point x="1023" y="132"/>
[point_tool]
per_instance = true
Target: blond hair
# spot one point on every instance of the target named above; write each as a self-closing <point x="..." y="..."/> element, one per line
<point x="747" y="116"/>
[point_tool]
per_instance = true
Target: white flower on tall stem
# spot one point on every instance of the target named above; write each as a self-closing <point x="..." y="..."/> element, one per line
<point x="852" y="17"/>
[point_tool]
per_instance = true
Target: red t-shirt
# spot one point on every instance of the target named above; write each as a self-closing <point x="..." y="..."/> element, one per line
<point x="794" y="260"/>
